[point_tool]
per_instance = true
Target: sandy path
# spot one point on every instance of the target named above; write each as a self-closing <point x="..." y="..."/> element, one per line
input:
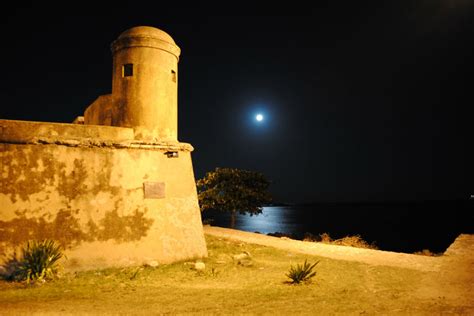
<point x="368" y="256"/>
<point x="448" y="278"/>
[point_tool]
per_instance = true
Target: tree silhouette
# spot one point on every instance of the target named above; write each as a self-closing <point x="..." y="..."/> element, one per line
<point x="233" y="190"/>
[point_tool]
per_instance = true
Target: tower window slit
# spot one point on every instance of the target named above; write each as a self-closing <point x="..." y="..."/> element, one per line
<point x="173" y="75"/>
<point x="127" y="70"/>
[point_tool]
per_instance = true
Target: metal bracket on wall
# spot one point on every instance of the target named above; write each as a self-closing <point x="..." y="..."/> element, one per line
<point x="172" y="154"/>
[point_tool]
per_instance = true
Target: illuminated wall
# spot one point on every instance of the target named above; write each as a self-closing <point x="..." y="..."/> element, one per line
<point x="115" y="195"/>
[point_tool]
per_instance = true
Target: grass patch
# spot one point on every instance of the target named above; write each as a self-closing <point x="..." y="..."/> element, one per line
<point x="227" y="286"/>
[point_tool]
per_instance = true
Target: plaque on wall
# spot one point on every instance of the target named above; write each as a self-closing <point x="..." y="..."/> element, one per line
<point x="154" y="190"/>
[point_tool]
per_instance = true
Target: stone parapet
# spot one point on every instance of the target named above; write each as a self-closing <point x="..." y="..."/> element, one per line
<point x="13" y="131"/>
<point x="73" y="135"/>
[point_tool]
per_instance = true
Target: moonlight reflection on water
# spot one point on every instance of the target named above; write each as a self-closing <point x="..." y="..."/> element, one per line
<point x="272" y="219"/>
<point x="395" y="227"/>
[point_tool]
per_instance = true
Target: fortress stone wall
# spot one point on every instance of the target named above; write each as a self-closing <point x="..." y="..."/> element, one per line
<point x="117" y="188"/>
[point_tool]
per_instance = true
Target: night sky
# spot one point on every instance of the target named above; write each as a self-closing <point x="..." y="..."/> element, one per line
<point x="360" y="102"/>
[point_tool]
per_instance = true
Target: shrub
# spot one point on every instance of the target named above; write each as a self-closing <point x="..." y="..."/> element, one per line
<point x="301" y="273"/>
<point x="351" y="241"/>
<point x="310" y="237"/>
<point x="354" y="241"/>
<point x="280" y="235"/>
<point x="325" y="238"/>
<point x="428" y="253"/>
<point x="39" y="262"/>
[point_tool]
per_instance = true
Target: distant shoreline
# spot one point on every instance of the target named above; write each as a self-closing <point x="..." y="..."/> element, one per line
<point x="402" y="226"/>
<point x="393" y="202"/>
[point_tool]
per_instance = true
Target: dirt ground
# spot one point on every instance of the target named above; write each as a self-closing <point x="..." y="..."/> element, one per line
<point x="451" y="277"/>
<point x="349" y="281"/>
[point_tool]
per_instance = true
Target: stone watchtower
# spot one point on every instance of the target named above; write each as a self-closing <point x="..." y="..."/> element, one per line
<point x="117" y="187"/>
<point x="144" y="85"/>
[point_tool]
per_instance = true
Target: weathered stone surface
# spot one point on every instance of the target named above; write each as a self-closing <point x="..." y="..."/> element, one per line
<point x="152" y="263"/>
<point x="83" y="184"/>
<point x="100" y="112"/>
<point x="92" y="201"/>
<point x="199" y="266"/>
<point x="148" y="99"/>
<point x="18" y="132"/>
<point x="76" y="135"/>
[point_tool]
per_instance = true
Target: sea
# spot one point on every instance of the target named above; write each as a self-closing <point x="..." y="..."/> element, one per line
<point x="399" y="226"/>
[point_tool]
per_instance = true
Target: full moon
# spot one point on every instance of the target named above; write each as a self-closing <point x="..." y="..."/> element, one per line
<point x="259" y="117"/>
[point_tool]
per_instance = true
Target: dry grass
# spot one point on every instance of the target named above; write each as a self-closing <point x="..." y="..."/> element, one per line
<point x="256" y="285"/>
<point x="427" y="252"/>
<point x="350" y="241"/>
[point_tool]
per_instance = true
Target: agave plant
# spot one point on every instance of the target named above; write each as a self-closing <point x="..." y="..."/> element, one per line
<point x="301" y="273"/>
<point x="39" y="261"/>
